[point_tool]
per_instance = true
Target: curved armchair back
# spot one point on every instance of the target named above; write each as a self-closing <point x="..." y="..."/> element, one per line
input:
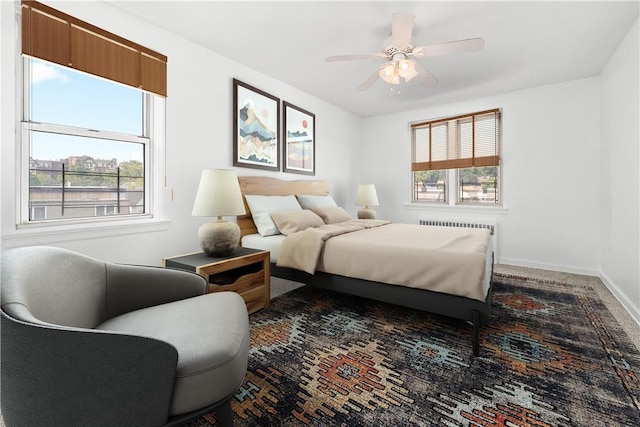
<point x="43" y="284"/>
<point x="89" y="342"/>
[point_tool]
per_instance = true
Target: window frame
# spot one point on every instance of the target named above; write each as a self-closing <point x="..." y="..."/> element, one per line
<point x="16" y="234"/>
<point x="445" y="193"/>
<point x="452" y="179"/>
<point x="480" y="204"/>
<point x="153" y="128"/>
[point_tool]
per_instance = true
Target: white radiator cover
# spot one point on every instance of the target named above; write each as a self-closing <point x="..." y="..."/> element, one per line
<point x="491" y="226"/>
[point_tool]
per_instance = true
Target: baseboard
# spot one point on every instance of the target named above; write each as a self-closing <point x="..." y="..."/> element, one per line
<point x="552" y="267"/>
<point x="622" y="298"/>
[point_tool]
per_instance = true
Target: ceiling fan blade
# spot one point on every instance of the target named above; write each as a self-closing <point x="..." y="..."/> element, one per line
<point x="351" y="57"/>
<point x="401" y="28"/>
<point x="458" y="46"/>
<point x="371" y="80"/>
<point x="425" y="78"/>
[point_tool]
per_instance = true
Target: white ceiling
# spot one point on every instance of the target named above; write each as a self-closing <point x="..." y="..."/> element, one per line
<point x="527" y="44"/>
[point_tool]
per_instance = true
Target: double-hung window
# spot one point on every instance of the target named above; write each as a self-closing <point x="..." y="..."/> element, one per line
<point x="90" y="108"/>
<point x="456" y="160"/>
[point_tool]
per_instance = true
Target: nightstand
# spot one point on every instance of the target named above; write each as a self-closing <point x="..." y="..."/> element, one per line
<point x="246" y="271"/>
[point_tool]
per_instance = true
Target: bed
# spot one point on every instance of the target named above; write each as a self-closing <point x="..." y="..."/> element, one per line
<point x="465" y="296"/>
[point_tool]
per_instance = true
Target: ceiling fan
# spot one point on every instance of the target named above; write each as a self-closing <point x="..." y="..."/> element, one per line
<point x="399" y="52"/>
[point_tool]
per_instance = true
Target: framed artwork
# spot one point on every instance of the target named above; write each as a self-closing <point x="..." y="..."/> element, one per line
<point x="256" y="119"/>
<point x="299" y="140"/>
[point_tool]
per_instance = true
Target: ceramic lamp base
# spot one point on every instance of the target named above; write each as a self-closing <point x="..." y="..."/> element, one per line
<point x="219" y="238"/>
<point x="366" y="213"/>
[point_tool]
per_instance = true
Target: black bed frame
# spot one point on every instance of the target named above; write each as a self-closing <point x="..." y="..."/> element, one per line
<point x="471" y="310"/>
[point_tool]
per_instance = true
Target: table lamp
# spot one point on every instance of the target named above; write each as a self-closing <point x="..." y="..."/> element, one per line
<point x="366" y="197"/>
<point x="218" y="195"/>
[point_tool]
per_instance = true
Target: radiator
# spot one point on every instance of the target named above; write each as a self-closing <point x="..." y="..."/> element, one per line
<point x="491" y="226"/>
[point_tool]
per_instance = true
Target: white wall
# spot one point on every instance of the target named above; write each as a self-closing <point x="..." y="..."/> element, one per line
<point x="550" y="167"/>
<point x="620" y="163"/>
<point x="199" y="135"/>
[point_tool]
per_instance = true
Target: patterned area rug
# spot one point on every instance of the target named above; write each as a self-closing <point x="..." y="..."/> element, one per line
<point x="552" y="356"/>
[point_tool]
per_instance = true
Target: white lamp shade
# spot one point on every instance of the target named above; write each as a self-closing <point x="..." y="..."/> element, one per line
<point x="218" y="194"/>
<point x="366" y="195"/>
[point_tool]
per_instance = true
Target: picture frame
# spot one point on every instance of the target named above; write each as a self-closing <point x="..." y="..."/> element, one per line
<point x="299" y="140"/>
<point x="256" y="128"/>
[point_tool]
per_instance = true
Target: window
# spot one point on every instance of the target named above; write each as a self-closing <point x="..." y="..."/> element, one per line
<point x="87" y="124"/>
<point x="478" y="185"/>
<point x="430" y="186"/>
<point x="456" y="160"/>
<point x="87" y="141"/>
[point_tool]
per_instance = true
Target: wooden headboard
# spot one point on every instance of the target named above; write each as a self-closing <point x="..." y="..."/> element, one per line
<point x="267" y="186"/>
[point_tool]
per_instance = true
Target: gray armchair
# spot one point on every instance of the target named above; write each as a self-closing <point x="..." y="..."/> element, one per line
<point x="87" y="342"/>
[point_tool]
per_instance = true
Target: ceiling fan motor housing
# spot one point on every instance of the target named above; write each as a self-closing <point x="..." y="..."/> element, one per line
<point x="392" y="51"/>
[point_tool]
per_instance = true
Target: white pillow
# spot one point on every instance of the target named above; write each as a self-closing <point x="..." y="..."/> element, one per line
<point x="262" y="206"/>
<point x="308" y="201"/>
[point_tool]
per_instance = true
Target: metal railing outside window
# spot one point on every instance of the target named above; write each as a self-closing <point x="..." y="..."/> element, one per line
<point x="430" y="192"/>
<point x="478" y="192"/>
<point x="75" y="194"/>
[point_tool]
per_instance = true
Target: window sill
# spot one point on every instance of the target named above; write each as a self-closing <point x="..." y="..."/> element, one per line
<point x="46" y="234"/>
<point x="457" y="209"/>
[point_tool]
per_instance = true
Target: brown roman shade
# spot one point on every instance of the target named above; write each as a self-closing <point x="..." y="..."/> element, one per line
<point x="471" y="140"/>
<point x="54" y="36"/>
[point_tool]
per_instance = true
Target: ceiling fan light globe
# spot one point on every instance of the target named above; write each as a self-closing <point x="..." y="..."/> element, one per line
<point x="410" y="71"/>
<point x="386" y="72"/>
<point x="385" y="77"/>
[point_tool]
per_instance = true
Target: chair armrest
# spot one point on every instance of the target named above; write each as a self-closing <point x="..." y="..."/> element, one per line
<point x="132" y="287"/>
<point x="81" y="377"/>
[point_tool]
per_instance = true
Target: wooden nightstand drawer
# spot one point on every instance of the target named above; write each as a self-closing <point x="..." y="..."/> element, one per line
<point x="246" y="271"/>
<point x="240" y="283"/>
